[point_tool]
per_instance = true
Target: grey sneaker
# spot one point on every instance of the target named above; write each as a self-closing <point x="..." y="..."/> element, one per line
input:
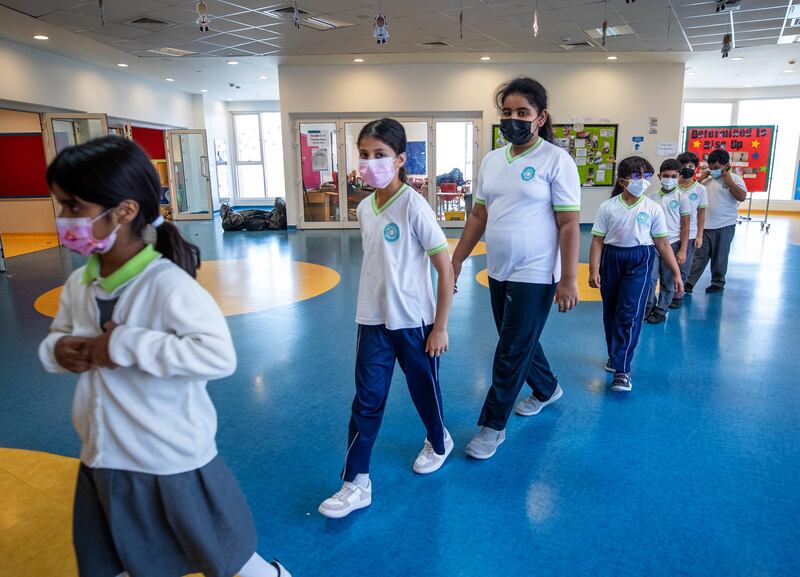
<point x="533" y="406"/>
<point x="349" y="498"/>
<point x="484" y="444"/>
<point x="609" y="368"/>
<point x="622" y="383"/>
<point x="428" y="461"/>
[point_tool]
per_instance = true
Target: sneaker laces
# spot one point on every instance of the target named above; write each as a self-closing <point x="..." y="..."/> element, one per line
<point x="347" y="490"/>
<point x="427" y="451"/>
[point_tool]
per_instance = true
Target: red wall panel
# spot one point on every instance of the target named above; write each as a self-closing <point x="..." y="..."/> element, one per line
<point x="152" y="140"/>
<point x="22" y="166"/>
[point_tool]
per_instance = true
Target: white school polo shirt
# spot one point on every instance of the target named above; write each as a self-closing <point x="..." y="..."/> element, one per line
<point x="398" y="240"/>
<point x="698" y="198"/>
<point x="627" y="226"/>
<point x="723" y="208"/>
<point x="675" y="206"/>
<point x="522" y="194"/>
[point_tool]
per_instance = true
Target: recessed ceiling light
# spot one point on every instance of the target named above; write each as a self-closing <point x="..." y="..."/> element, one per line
<point x="203" y="90"/>
<point x="748" y="85"/>
<point x="229" y="99"/>
<point x="122" y="65"/>
<point x="41" y="37"/>
<point x="611" y="57"/>
<point x="170" y="79"/>
<point x="737" y="58"/>
<point x="232" y="62"/>
<point x="262" y="77"/>
<point x="787" y="70"/>
<point x="691" y="73"/>
<point x="358" y="60"/>
<point x="485" y="58"/>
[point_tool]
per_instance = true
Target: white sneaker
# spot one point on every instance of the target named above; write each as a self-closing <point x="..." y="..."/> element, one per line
<point x="428" y="460"/>
<point x="349" y="498"/>
<point x="485" y="442"/>
<point x="533" y="406"/>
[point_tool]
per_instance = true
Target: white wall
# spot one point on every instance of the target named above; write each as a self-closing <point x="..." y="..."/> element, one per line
<point x="625" y="94"/>
<point x="216" y="124"/>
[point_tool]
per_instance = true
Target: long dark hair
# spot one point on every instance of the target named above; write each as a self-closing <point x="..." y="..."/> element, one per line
<point x="534" y="93"/>
<point x="391" y="133"/>
<point x="626" y="168"/>
<point x="109" y="170"/>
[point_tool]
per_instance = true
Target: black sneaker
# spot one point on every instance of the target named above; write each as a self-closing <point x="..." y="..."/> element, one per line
<point x="622" y="383"/>
<point x="687" y="288"/>
<point x="676" y="303"/>
<point x="714" y="289"/>
<point x="656" y="318"/>
<point x="609" y="368"/>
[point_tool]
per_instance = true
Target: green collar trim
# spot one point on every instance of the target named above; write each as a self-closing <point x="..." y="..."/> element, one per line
<point x="533" y="147"/>
<point x="663" y="192"/>
<point x="691" y="187"/>
<point x="123" y="274"/>
<point x="389" y="202"/>
<point x="630" y="206"/>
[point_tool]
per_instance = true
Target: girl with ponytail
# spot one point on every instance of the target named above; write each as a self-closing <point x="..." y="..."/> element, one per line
<point x="144" y="339"/>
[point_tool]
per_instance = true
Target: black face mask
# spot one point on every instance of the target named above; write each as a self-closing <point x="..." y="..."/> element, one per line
<point x="516" y="131"/>
<point x="687" y="172"/>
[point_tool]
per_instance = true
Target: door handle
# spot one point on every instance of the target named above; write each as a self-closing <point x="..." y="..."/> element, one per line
<point x="205" y="171"/>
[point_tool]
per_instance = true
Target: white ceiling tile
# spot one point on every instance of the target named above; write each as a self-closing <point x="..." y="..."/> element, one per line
<point x="37" y="8"/>
<point x="71" y="21"/>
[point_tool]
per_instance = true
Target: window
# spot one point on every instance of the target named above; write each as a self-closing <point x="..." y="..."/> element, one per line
<point x="782" y="112"/>
<point x="258" y="162"/>
<point x="708" y="113"/>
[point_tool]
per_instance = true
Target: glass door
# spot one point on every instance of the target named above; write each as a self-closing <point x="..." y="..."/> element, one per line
<point x="62" y="129"/>
<point x="317" y="144"/>
<point x="189" y="176"/>
<point x="456" y="149"/>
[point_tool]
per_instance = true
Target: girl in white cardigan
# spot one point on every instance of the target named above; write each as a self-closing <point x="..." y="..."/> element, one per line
<point x="153" y="497"/>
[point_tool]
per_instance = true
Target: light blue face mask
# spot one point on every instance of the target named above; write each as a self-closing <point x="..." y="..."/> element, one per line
<point x="638" y="186"/>
<point x="716" y="173"/>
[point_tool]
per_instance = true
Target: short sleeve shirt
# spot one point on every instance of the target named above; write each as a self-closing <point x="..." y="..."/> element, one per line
<point x="723" y="208"/>
<point x="675" y="206"/>
<point x="632" y="225"/>
<point x="522" y="194"/>
<point x="698" y="198"/>
<point x="398" y="239"/>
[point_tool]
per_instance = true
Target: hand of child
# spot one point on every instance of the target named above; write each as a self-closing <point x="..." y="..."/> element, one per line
<point x="72" y="354"/>
<point x="98" y="347"/>
<point x="594" y="279"/>
<point x="456" y="270"/>
<point x="681" y="257"/>
<point x="438" y="343"/>
<point x="698" y="242"/>
<point x="678" y="287"/>
<point x="567" y="295"/>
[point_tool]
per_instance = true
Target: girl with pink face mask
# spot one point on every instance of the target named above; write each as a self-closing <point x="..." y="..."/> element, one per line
<point x="398" y="318"/>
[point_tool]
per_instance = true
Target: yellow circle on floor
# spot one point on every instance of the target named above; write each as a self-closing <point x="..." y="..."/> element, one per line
<point x="479" y="249"/>
<point x="585" y="292"/>
<point x="245" y="286"/>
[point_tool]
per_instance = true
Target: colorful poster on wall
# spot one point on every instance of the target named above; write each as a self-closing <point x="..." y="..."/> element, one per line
<point x="594" y="148"/>
<point x="497" y="137"/>
<point x="750" y="147"/>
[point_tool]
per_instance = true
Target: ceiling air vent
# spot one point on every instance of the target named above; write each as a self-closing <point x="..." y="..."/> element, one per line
<point x="145" y="21"/>
<point x="793" y="16"/>
<point x="435" y="44"/>
<point x="306" y="19"/>
<point x="166" y="51"/>
<point x="573" y="45"/>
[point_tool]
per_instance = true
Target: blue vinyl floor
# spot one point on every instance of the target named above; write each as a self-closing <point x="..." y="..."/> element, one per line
<point x="694" y="473"/>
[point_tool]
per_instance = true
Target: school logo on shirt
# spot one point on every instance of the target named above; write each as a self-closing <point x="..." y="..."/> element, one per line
<point x="391" y="233"/>
<point x="693" y="197"/>
<point x="643" y="217"/>
<point x="528" y="173"/>
<point x="673" y="204"/>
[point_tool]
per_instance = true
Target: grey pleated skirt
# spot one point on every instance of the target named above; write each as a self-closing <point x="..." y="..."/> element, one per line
<point x="161" y="526"/>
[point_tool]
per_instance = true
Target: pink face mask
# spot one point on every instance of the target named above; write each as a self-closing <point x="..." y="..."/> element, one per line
<point x="377" y="172"/>
<point x="77" y="234"/>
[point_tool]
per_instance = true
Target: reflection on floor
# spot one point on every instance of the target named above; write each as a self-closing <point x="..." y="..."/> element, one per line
<point x="16" y="244"/>
<point x="694" y="473"/>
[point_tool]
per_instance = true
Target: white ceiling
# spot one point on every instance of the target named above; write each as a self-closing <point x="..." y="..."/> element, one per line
<point x="664" y="30"/>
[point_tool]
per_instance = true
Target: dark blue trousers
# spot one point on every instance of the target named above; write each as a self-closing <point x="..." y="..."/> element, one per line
<point x="520" y="313"/>
<point x="377" y="350"/>
<point x="624" y="280"/>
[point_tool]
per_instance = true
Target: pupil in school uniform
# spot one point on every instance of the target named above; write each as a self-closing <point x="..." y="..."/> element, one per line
<point x="527" y="203"/>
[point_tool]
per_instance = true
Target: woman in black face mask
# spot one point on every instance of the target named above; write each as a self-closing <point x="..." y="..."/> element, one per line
<point x="528" y="203"/>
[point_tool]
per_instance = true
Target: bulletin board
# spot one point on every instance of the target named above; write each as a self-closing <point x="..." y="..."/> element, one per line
<point x="592" y="146"/>
<point x="22" y="166"/>
<point x="416" y="158"/>
<point x="750" y="147"/>
<point x="594" y="149"/>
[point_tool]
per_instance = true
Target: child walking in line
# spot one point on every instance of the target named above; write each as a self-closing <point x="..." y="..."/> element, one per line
<point x="397" y="317"/>
<point x="698" y="202"/>
<point x="677" y="211"/>
<point x="627" y="232"/>
<point x="153" y="497"/>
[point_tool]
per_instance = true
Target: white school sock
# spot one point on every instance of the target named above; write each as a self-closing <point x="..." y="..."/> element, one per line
<point x="362" y="480"/>
<point x="258" y="567"/>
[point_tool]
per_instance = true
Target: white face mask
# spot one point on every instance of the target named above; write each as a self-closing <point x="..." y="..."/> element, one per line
<point x="669" y="183"/>
<point x="637" y="187"/>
